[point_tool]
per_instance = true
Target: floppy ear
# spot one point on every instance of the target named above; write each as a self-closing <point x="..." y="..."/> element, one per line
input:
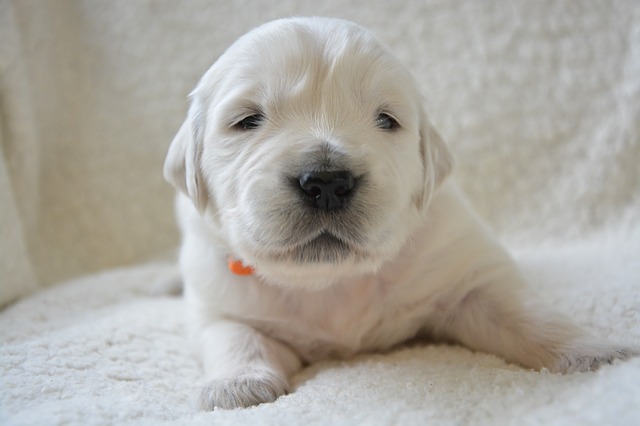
<point x="437" y="160"/>
<point x="182" y="165"/>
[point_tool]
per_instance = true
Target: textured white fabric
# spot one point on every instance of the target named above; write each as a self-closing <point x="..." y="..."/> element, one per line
<point x="540" y="101"/>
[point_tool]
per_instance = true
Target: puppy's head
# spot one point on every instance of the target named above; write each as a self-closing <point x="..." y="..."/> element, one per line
<point x="307" y="151"/>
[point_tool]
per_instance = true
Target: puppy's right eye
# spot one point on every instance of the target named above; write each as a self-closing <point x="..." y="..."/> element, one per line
<point x="249" y="123"/>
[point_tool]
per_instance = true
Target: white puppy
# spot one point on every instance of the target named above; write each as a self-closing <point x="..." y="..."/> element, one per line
<point x="308" y="166"/>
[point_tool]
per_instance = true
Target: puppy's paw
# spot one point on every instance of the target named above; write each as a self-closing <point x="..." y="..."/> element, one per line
<point x="242" y="391"/>
<point x="589" y="356"/>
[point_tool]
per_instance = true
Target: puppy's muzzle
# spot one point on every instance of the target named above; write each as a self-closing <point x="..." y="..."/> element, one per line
<point x="329" y="190"/>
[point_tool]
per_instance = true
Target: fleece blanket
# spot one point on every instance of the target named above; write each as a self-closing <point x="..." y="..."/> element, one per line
<point x="540" y="102"/>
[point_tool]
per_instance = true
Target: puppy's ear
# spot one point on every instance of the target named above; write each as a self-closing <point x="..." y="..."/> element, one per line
<point x="182" y="165"/>
<point x="437" y="160"/>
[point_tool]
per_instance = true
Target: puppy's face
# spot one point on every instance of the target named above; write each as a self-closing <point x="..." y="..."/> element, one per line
<point x="307" y="152"/>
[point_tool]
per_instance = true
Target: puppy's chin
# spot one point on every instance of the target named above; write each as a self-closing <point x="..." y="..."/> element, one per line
<point x="318" y="263"/>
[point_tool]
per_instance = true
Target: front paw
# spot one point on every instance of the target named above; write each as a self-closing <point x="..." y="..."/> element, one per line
<point x="590" y="356"/>
<point x="243" y="390"/>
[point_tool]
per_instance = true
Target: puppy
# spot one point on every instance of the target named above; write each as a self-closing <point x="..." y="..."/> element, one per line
<point x="317" y="221"/>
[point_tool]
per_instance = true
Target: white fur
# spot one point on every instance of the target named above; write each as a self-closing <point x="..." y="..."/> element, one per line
<point x="418" y="262"/>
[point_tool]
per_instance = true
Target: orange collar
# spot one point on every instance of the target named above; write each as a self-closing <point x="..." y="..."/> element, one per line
<point x="237" y="267"/>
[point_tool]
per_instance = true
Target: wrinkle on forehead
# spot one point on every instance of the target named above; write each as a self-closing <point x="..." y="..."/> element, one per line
<point x="321" y="76"/>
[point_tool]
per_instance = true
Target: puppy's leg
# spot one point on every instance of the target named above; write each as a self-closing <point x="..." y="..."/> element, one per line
<point x="242" y="366"/>
<point x="494" y="318"/>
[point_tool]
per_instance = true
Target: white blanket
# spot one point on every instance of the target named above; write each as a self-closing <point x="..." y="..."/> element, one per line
<point x="540" y="102"/>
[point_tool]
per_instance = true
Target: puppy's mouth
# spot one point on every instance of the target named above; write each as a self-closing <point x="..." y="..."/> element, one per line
<point x="325" y="247"/>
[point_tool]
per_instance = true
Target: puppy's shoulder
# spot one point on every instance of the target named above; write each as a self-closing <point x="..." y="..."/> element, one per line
<point x="450" y="211"/>
<point x="453" y="230"/>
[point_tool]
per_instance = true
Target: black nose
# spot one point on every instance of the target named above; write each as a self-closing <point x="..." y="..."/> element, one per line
<point x="327" y="190"/>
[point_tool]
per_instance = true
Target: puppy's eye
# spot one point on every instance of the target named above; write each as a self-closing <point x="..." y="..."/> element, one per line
<point x="386" y="122"/>
<point x="249" y="123"/>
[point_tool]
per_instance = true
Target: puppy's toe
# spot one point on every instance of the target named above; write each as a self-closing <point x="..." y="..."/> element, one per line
<point x="242" y="391"/>
<point x="591" y="356"/>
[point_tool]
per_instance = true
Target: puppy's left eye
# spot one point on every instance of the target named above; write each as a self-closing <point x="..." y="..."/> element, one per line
<point x="249" y="123"/>
<point x="386" y="122"/>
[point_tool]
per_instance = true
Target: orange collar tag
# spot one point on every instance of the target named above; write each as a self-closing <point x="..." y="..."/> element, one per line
<point x="237" y="267"/>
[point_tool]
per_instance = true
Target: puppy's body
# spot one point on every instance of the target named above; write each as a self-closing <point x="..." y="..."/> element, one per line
<point x="307" y="156"/>
<point x="415" y="293"/>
